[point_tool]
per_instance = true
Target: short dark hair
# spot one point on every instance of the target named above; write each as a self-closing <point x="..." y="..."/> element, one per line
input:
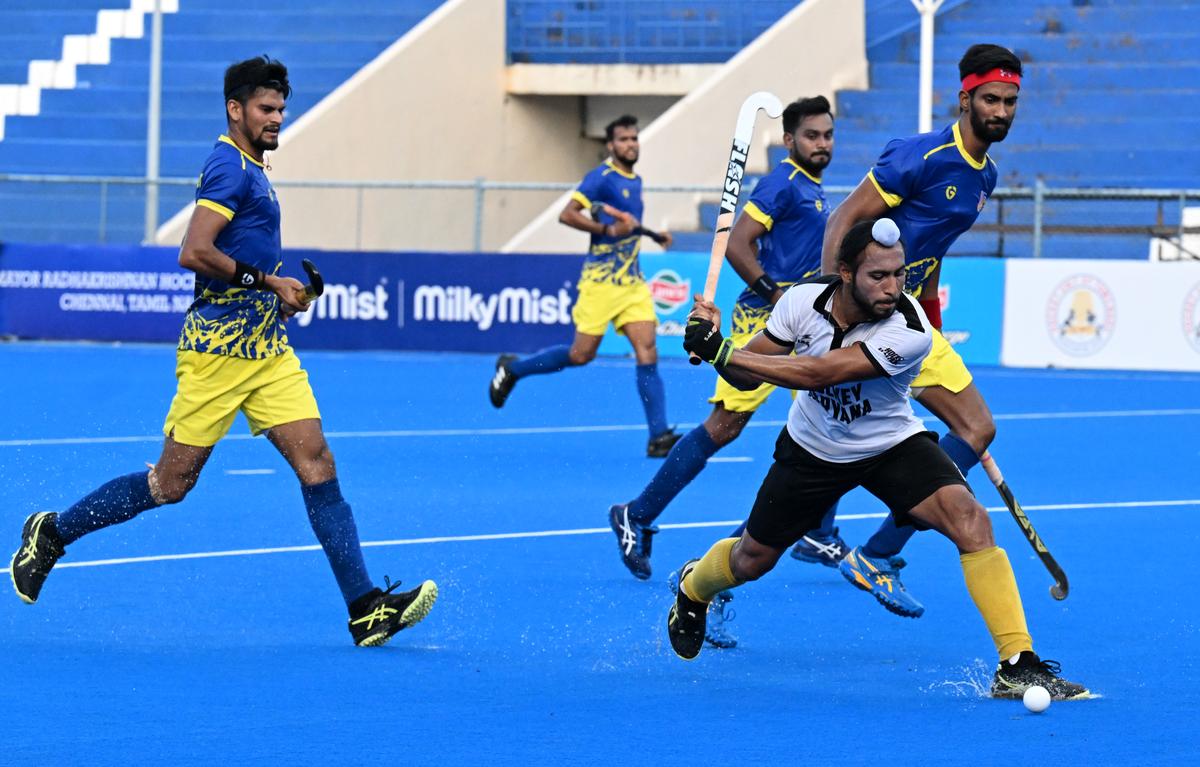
<point x="984" y="57"/>
<point x="624" y="121"/>
<point x="855" y="243"/>
<point x="796" y="111"/>
<point x="243" y="79"/>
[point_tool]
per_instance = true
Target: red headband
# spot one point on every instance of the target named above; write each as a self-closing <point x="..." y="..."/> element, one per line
<point x="971" y="82"/>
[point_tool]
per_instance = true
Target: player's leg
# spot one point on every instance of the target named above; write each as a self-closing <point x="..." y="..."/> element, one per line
<point x="918" y="476"/>
<point x="944" y="386"/>
<point x="46" y="534"/>
<point x="633" y="522"/>
<point x="796" y="483"/>
<point x="204" y="406"/>
<point x="283" y="406"/>
<point x="598" y="305"/>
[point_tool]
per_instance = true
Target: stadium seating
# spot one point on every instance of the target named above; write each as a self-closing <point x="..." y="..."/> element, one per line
<point x="99" y="127"/>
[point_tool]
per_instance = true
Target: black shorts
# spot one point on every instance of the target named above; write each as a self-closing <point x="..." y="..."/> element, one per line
<point x="800" y="487"/>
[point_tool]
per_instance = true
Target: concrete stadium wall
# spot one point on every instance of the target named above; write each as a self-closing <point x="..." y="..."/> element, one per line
<point x="817" y="48"/>
<point x="433" y="106"/>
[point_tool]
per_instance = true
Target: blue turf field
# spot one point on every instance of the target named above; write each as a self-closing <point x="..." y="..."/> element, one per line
<point x="542" y="649"/>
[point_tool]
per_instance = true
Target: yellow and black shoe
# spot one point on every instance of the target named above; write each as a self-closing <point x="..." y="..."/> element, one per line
<point x="377" y="616"/>
<point x="1024" y="670"/>
<point x="40" y="549"/>
<point x="687" y="620"/>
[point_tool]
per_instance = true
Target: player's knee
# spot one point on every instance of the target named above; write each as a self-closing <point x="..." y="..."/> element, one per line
<point x="723" y="430"/>
<point x="170" y="489"/>
<point x="981" y="434"/>
<point x="579" y="356"/>
<point x="750" y="566"/>
<point x="318" y="467"/>
<point x="971" y="527"/>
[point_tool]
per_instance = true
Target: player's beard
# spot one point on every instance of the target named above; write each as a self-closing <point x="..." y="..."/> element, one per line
<point x="867" y="308"/>
<point x="992" y="132"/>
<point x="266" y="142"/>
<point x="630" y="158"/>
<point x="815" y="164"/>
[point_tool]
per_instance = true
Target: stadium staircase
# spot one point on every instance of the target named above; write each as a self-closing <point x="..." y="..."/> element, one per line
<point x="98" y="127"/>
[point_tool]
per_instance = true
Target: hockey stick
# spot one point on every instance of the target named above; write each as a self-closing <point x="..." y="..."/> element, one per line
<point x="732" y="189"/>
<point x="316" y="283"/>
<point x="1060" y="587"/>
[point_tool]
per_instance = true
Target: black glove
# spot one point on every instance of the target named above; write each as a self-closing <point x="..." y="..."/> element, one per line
<point x="705" y="341"/>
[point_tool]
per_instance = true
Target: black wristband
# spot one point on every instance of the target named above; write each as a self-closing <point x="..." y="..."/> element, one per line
<point x="246" y="276"/>
<point x="764" y="287"/>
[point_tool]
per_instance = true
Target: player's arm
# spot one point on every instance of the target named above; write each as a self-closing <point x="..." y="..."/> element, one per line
<point x="865" y="202"/>
<point x="801" y="372"/>
<point x="573" y="215"/>
<point x="742" y="254"/>
<point x="200" y="254"/>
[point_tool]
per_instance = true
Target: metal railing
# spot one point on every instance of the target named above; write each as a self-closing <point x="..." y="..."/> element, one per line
<point x="1013" y="213"/>
<point x="635" y="31"/>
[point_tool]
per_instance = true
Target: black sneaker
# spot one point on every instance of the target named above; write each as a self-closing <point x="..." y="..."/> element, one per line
<point x="633" y="540"/>
<point x="1020" y="672"/>
<point x="377" y="616"/>
<point x="660" y="446"/>
<point x="40" y="549"/>
<point x="503" y="381"/>
<point x="687" y="620"/>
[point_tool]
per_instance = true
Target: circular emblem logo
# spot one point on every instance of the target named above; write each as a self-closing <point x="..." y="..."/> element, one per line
<point x="1191" y="317"/>
<point x="820" y="206"/>
<point x="1081" y="315"/>
<point x="669" y="290"/>
<point x="950" y="192"/>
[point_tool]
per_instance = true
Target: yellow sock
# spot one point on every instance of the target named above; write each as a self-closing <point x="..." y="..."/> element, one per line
<point x="992" y="585"/>
<point x="711" y="574"/>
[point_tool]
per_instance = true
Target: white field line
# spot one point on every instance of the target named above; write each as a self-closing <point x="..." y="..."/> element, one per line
<point x="730" y="523"/>
<point x="528" y="430"/>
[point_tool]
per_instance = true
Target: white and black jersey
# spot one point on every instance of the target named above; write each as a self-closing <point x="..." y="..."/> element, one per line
<point x="860" y="419"/>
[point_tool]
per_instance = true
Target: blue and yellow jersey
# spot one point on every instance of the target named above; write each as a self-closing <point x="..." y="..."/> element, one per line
<point x="610" y="259"/>
<point x="224" y="319"/>
<point x="791" y="204"/>
<point x="936" y="191"/>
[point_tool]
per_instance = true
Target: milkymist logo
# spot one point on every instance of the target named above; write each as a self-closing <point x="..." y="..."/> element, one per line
<point x="459" y="303"/>
<point x="347" y="302"/>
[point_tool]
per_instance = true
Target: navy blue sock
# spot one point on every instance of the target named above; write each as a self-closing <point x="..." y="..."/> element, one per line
<point x="119" y="500"/>
<point x="549" y="360"/>
<point x="333" y="523"/>
<point x="963" y="455"/>
<point x="888" y="539"/>
<point x="654" y="399"/>
<point x="825" y="529"/>
<point x="686" y="459"/>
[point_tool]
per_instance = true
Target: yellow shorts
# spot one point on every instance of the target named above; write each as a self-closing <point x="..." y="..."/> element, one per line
<point x="213" y="388"/>
<point x="943" y="367"/>
<point x="735" y="400"/>
<point x="601" y="303"/>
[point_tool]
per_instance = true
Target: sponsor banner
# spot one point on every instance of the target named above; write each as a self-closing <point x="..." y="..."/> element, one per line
<point x="673" y="278"/>
<point x="972" y="296"/>
<point x="1102" y="314"/>
<point x="420" y="301"/>
<point x="439" y="301"/>
<point x="100" y="293"/>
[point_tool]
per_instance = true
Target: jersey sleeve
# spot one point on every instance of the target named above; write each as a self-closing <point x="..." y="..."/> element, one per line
<point x="897" y="346"/>
<point x="591" y="190"/>
<point x="771" y="200"/>
<point x="897" y="171"/>
<point x="221" y="187"/>
<point x="783" y="322"/>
